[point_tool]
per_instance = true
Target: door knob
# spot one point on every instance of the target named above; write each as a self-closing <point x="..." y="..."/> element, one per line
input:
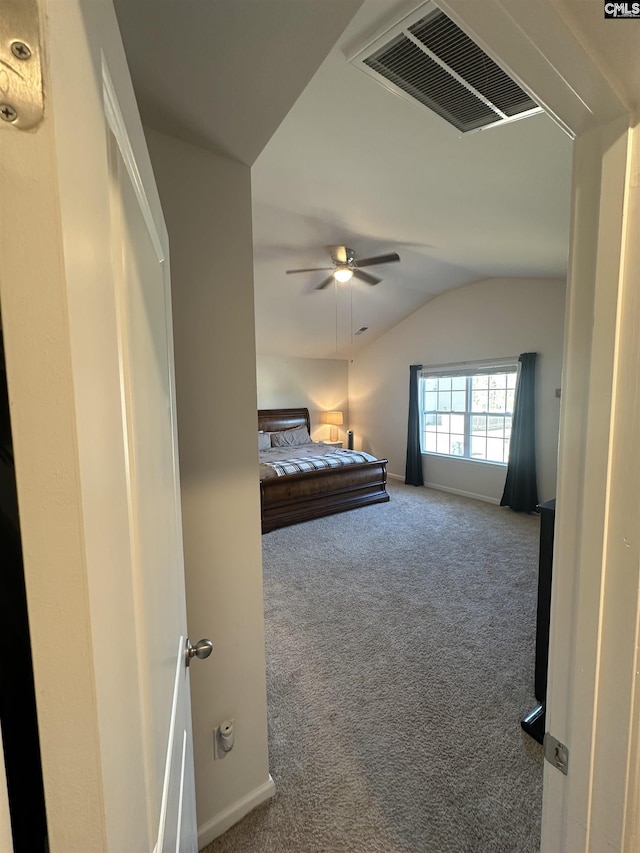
<point x="202" y="650"/>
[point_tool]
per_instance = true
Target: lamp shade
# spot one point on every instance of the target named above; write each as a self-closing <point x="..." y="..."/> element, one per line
<point x="334" y="418"/>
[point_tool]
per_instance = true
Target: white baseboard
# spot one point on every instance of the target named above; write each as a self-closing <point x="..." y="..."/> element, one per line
<point x="485" y="498"/>
<point x="226" y="819"/>
<point x="460" y="492"/>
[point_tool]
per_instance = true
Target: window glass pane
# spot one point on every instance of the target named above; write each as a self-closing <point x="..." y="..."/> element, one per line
<point x="495" y="449"/>
<point x="444" y="383"/>
<point x="478" y="424"/>
<point x="480" y="401"/>
<point x="442" y="443"/>
<point x="459" y="401"/>
<point x="430" y="401"/>
<point x="430" y="422"/>
<point x="497" y="399"/>
<point x="478" y="447"/>
<point x="430" y="442"/>
<point x="510" y="398"/>
<point x="495" y="427"/>
<point x="430" y="383"/>
<point x="507" y="427"/>
<point x="480" y="382"/>
<point x="444" y="423"/>
<point x="459" y="383"/>
<point x="511" y="380"/>
<point x="457" y="424"/>
<point x="456" y="445"/>
<point x="444" y="401"/>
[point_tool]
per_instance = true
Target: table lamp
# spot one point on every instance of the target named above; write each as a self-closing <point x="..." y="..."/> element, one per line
<point x="335" y="419"/>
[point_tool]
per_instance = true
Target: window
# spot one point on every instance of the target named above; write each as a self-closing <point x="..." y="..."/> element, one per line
<point x="466" y="411"/>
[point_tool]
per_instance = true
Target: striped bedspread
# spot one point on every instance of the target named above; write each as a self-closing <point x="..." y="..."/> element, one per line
<point x="300" y="463"/>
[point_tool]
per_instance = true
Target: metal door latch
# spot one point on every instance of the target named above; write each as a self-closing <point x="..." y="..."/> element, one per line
<point x="556" y="753"/>
<point x="21" y="95"/>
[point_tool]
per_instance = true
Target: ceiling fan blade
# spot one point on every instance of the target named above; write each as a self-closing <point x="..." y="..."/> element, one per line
<point x="365" y="276"/>
<point x="379" y="259"/>
<point x="311" y="269"/>
<point x="328" y="280"/>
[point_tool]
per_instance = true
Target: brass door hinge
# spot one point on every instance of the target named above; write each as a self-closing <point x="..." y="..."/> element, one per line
<point x="21" y="95"/>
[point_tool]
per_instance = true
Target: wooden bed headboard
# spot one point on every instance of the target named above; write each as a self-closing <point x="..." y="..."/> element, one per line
<point x="274" y="420"/>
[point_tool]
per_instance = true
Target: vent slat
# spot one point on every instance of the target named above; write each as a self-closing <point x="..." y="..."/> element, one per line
<point x="404" y="64"/>
<point x="454" y="47"/>
<point x="416" y="73"/>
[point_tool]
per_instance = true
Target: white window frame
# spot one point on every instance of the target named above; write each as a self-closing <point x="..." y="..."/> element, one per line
<point x="468" y="370"/>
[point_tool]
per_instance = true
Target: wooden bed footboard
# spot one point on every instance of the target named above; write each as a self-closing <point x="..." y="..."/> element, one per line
<point x="314" y="494"/>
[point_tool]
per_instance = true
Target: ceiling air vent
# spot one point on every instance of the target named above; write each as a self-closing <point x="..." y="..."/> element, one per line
<point x="429" y="59"/>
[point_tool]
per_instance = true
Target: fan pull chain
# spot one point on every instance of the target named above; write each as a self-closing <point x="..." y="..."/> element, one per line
<point x="351" y="314"/>
<point x="335" y="287"/>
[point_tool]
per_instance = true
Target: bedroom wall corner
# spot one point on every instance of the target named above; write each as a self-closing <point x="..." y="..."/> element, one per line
<point x="206" y="200"/>
<point x="320" y="384"/>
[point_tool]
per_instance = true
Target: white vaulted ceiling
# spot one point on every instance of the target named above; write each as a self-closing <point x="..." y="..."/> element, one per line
<point x="354" y="164"/>
<point x="223" y="74"/>
<point x="338" y="159"/>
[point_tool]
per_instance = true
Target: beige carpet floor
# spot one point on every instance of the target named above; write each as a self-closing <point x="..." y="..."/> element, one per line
<point x="400" y="653"/>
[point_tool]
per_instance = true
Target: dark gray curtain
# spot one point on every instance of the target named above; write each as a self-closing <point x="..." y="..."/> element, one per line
<point x="520" y="488"/>
<point x="413" y="471"/>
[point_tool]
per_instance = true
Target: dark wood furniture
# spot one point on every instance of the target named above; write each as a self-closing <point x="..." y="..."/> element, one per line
<point x="313" y="494"/>
<point x="534" y="722"/>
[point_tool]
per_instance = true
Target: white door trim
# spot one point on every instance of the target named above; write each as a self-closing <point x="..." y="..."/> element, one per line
<point x="118" y="127"/>
<point x="581" y="577"/>
<point x="180" y="665"/>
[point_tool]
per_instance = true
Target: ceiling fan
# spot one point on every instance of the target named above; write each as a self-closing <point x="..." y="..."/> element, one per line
<point x="345" y="266"/>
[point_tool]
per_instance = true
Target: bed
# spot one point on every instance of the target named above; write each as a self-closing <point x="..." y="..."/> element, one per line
<point x="301" y="496"/>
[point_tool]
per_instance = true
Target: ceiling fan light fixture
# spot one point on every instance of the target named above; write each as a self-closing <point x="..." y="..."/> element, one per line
<point x="343" y="274"/>
<point x="345" y="267"/>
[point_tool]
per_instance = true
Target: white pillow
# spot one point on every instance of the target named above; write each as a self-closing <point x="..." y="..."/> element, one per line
<point x="264" y="440"/>
<point x="291" y="437"/>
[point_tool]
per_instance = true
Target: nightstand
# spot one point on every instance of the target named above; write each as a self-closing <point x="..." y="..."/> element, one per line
<point x="333" y="443"/>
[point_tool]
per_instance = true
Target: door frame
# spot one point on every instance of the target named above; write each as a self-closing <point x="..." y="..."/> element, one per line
<point x="595" y="602"/>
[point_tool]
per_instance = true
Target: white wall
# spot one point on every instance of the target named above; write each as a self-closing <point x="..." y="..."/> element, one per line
<point x="320" y="384"/>
<point x="207" y="205"/>
<point x="488" y="319"/>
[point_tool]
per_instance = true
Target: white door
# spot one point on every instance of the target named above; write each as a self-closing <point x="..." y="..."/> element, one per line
<point x="143" y="310"/>
<point x="86" y="312"/>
